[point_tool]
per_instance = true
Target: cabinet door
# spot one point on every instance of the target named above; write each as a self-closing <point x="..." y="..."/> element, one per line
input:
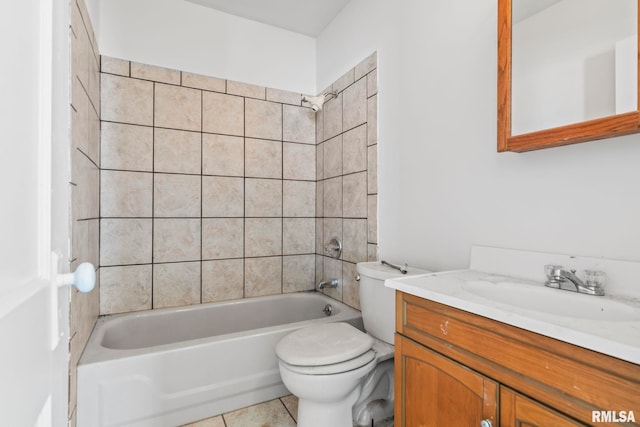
<point x="517" y="410"/>
<point x="432" y="390"/>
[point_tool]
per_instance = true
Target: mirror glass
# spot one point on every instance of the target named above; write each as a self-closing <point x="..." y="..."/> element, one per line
<point x="572" y="61"/>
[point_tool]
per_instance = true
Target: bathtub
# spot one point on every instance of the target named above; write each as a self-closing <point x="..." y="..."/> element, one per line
<point x="171" y="367"/>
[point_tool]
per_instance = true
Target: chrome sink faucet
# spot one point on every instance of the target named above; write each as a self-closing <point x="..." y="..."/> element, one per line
<point x="557" y="276"/>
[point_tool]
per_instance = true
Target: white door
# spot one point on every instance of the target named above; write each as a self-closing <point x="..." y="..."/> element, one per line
<point x="34" y="111"/>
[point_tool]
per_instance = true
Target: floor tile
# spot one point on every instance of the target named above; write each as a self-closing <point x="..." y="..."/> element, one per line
<point x="209" y="422"/>
<point x="267" y="414"/>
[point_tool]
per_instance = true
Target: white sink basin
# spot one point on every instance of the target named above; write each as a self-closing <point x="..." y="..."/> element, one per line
<point x="553" y="301"/>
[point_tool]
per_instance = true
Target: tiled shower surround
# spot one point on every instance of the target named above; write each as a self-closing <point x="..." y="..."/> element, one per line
<point x="85" y="182"/>
<point x="208" y="186"/>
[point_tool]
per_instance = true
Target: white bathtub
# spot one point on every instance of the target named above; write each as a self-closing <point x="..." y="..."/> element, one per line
<point x="174" y="366"/>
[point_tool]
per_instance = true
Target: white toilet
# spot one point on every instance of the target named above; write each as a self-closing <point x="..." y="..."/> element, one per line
<point x="344" y="377"/>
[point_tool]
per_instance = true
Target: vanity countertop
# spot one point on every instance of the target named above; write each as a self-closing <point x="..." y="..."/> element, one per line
<point x="608" y="324"/>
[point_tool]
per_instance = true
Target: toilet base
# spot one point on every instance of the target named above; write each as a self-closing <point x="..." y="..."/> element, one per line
<point x="334" y="414"/>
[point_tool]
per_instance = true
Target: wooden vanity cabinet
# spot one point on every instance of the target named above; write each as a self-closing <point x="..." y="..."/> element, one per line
<point x="454" y="368"/>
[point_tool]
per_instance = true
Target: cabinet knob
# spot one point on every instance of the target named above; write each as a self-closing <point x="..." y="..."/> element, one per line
<point x="486" y="423"/>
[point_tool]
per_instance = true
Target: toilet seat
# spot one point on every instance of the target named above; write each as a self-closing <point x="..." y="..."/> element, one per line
<point x="330" y="346"/>
<point x="334" y="368"/>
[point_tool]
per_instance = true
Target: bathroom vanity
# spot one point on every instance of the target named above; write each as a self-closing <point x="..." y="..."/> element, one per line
<point x="465" y="360"/>
<point x="458" y="368"/>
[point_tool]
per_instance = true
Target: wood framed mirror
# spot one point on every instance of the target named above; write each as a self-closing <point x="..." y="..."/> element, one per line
<point x="567" y="72"/>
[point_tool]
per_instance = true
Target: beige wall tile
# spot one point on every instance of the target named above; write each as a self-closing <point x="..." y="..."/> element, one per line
<point x="157" y="74"/>
<point x="319" y="268"/>
<point x="177" y="151"/>
<point x="125" y="241"/>
<point x="350" y="287"/>
<point x="124" y="289"/>
<point x="333" y="197"/>
<point x="222" y="114"/>
<point x="320" y="198"/>
<point x="320" y="126"/>
<point x="320" y="235"/>
<point x="222" y="155"/>
<point x="245" y="89"/>
<point x="332" y="113"/>
<point x="298" y="236"/>
<point x="263" y="158"/>
<point x="80" y="47"/>
<point x="176" y="240"/>
<point x="332" y="157"/>
<point x="372" y="83"/>
<point x="203" y="82"/>
<point x="372" y="120"/>
<point x="263" y="197"/>
<point x="263" y="119"/>
<point x="332" y="269"/>
<point x="319" y="162"/>
<point x="372" y="220"/>
<point x="222" y="238"/>
<point x="93" y="144"/>
<point x="127" y="147"/>
<point x="372" y="169"/>
<point x="298" y="273"/>
<point x="94" y="83"/>
<point x="332" y="229"/>
<point x="176" y="195"/>
<point x="222" y="280"/>
<point x="126" y="194"/>
<point x="354" y="233"/>
<point x="80" y="119"/>
<point x="298" y="199"/>
<point x="79" y="239"/>
<point x="372" y="250"/>
<point x="344" y="81"/>
<point x="222" y="196"/>
<point x="176" y="284"/>
<point x="126" y="100"/>
<point x="354" y="195"/>
<point x="299" y="124"/>
<point x="262" y="276"/>
<point x="86" y="176"/>
<point x="263" y="237"/>
<point x="354" y="150"/>
<point x="114" y="66"/>
<point x="299" y="161"/>
<point x="178" y="107"/>
<point x="366" y="65"/>
<point x="283" y="96"/>
<point x="355" y="104"/>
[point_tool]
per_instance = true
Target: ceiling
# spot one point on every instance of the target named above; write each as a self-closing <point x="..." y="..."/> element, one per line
<point x="308" y="17"/>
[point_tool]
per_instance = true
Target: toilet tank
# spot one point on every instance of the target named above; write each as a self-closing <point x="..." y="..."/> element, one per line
<point x="377" y="302"/>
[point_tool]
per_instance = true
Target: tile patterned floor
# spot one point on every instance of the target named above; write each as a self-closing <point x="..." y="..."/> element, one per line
<point x="274" y="413"/>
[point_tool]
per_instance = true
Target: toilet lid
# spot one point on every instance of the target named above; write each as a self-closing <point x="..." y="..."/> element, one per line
<point x="323" y="344"/>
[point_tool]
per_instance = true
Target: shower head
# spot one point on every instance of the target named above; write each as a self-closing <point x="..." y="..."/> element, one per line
<point x="316" y="102"/>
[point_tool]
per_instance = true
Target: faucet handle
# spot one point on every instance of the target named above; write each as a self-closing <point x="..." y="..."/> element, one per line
<point x="595" y="279"/>
<point x="551" y="269"/>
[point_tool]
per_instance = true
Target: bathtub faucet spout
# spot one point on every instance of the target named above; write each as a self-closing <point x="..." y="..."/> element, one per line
<point x="331" y="283"/>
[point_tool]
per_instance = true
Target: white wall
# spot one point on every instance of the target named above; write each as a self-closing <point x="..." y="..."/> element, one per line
<point x="183" y="35"/>
<point x="443" y="187"/>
